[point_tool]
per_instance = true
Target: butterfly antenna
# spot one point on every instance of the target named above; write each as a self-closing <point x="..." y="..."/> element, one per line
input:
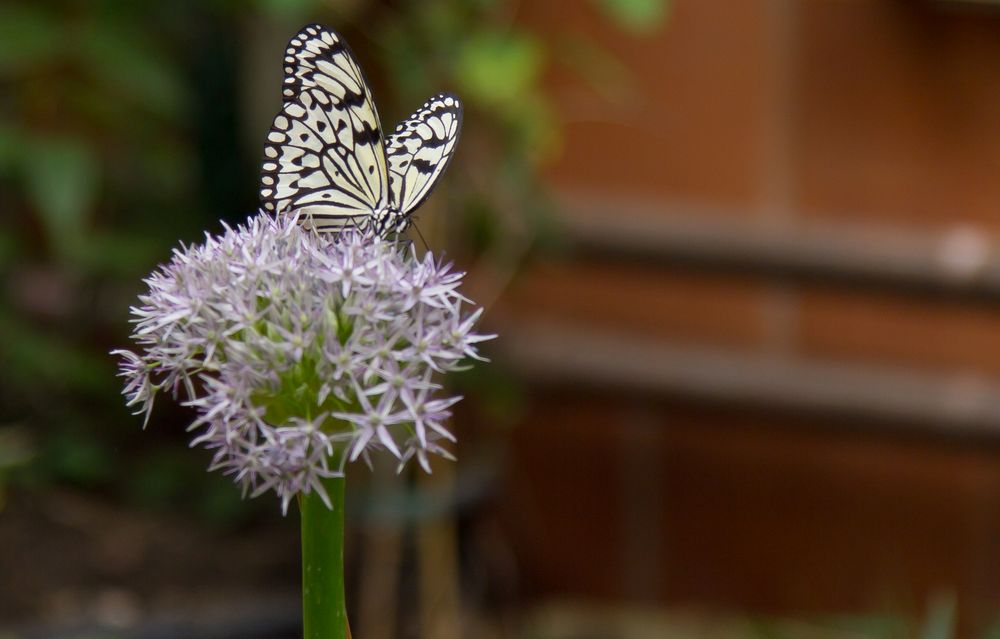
<point x="421" y="236"/>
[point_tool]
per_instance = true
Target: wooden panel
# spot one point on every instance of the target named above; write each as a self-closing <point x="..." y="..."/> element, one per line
<point x="898" y="113"/>
<point x="683" y="119"/>
<point x="755" y="511"/>
<point x="899" y="331"/>
<point x="701" y="308"/>
<point x="894" y="119"/>
<point x="558" y="504"/>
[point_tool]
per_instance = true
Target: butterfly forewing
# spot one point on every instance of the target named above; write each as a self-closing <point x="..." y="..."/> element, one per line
<point x="419" y="150"/>
<point x="325" y="158"/>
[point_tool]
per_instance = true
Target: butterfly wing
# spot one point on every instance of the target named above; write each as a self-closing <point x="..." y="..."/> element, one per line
<point x="325" y="157"/>
<point x="419" y="151"/>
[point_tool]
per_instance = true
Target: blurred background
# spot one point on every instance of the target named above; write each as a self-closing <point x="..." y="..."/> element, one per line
<point x="742" y="257"/>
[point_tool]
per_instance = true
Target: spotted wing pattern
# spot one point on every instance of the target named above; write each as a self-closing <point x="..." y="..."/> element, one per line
<point x="419" y="151"/>
<point x="325" y="157"/>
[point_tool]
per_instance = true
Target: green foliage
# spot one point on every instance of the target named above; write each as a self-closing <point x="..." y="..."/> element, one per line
<point x="61" y="179"/>
<point x="32" y="357"/>
<point x="10" y="147"/>
<point x="502" y="400"/>
<point x="78" y="457"/>
<point x="124" y="63"/>
<point x="175" y="479"/>
<point x="940" y="622"/>
<point x="639" y="16"/>
<point x="92" y="151"/>
<point x="502" y="70"/>
<point x="499" y="68"/>
<point x="118" y="135"/>
<point x="29" y="36"/>
<point x="15" y="451"/>
<point x="289" y="10"/>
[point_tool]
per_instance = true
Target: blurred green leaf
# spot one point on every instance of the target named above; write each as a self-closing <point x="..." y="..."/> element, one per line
<point x="49" y="363"/>
<point x="993" y="631"/>
<point x="161" y="479"/>
<point x="168" y="165"/>
<point x="408" y="78"/>
<point x="117" y="253"/>
<point x="498" y="68"/>
<point x="119" y="55"/>
<point x="10" y="147"/>
<point x="598" y="67"/>
<point x="79" y="457"/>
<point x="289" y="10"/>
<point x="482" y="225"/>
<point x="29" y="36"/>
<point x="15" y="447"/>
<point x="535" y="128"/>
<point x="764" y="629"/>
<point x="498" y="392"/>
<point x="9" y="247"/>
<point x="61" y="177"/>
<point x="874" y="626"/>
<point x="638" y="16"/>
<point x="174" y="478"/>
<point x="220" y="503"/>
<point x="442" y="20"/>
<point x="940" y="622"/>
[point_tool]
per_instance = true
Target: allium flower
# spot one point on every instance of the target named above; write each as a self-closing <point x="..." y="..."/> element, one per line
<point x="301" y="352"/>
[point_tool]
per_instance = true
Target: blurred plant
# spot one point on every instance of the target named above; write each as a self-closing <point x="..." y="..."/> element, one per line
<point x="642" y="16"/>
<point x="92" y="152"/>
<point x="88" y="90"/>
<point x="15" y="450"/>
<point x="939" y="622"/>
<point x="119" y="133"/>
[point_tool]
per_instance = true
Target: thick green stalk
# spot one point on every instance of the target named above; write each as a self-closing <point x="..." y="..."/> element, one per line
<point x="324" y="608"/>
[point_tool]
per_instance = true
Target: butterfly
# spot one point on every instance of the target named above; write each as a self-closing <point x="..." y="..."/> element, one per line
<point x="326" y="159"/>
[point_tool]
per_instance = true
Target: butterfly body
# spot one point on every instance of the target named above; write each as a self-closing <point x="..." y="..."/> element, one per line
<point x="326" y="159"/>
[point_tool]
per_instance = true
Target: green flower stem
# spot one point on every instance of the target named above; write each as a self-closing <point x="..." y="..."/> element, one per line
<point x="324" y="608"/>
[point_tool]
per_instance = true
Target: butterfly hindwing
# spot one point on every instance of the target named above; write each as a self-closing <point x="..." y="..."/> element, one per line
<point x="325" y="157"/>
<point x="419" y="150"/>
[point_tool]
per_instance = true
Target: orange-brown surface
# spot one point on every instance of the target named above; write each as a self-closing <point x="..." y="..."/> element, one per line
<point x="870" y="112"/>
<point x="762" y="512"/>
<point x="654" y="128"/>
<point x="703" y="308"/>
<point x="897" y="114"/>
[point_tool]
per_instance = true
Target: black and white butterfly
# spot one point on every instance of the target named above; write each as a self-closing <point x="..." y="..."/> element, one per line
<point x="326" y="159"/>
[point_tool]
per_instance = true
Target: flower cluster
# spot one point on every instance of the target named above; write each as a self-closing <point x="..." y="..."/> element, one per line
<point x="301" y="352"/>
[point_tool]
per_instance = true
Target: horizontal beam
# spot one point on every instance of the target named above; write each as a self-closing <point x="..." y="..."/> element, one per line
<point x="561" y="355"/>
<point x="960" y="261"/>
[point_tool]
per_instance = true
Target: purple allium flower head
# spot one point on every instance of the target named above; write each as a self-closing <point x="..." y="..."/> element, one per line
<point x="300" y="352"/>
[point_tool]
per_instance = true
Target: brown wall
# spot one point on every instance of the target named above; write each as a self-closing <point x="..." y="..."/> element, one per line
<point x="862" y="114"/>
